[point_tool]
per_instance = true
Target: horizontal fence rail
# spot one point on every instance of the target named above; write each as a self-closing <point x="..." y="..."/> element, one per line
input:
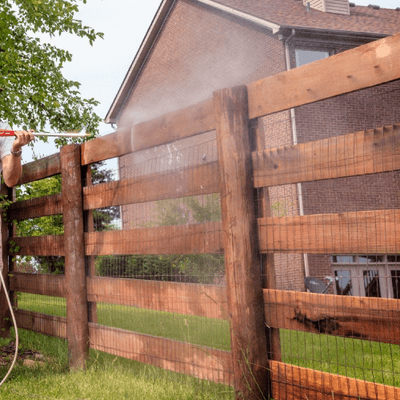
<point x="40" y="169"/>
<point x="204" y="363"/>
<point x="171" y="297"/>
<point x="361" y="153"/>
<point x="176" y="239"/>
<point x="191" y="181"/>
<point x="290" y="382"/>
<point x="357" y="232"/>
<point x="347" y="316"/>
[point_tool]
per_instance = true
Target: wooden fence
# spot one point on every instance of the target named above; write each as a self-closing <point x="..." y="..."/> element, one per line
<point x="239" y="169"/>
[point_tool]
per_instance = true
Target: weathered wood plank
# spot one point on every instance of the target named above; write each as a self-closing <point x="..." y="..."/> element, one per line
<point x="201" y="362"/>
<point x="369" y="232"/>
<point x="365" y="66"/>
<point x="290" y="382"/>
<point x="191" y="299"/>
<point x="185" y="182"/>
<point x="179" y="124"/>
<point x="176" y="125"/>
<point x="33" y="208"/>
<point x="360" y="153"/>
<point x="74" y="249"/>
<point x="44" y="284"/>
<point x="40" y="169"/>
<point x="178" y="239"/>
<point x="42" y="323"/>
<point x="115" y="144"/>
<point x="366" y="318"/>
<point x="242" y="259"/>
<point x="37" y="246"/>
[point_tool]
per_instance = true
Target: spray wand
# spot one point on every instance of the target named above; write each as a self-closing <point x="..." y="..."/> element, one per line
<point x="4" y="132"/>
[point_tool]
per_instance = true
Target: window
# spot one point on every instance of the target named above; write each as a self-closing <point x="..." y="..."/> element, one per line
<point x="396" y="283"/>
<point x="372" y="285"/>
<point x="367" y="275"/>
<point x="304" y="57"/>
<point x="343" y="283"/>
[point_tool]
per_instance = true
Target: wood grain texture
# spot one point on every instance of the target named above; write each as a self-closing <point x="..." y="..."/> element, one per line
<point x="180" y="124"/>
<point x="40" y="169"/>
<point x="360" y="153"/>
<point x="33" y="208"/>
<point x="176" y="239"/>
<point x="358" y="232"/>
<point x="290" y="382"/>
<point x="191" y="299"/>
<point x="44" y="284"/>
<point x="201" y="362"/>
<point x="365" y="66"/>
<point x="368" y="318"/>
<point x="74" y="247"/>
<point x="42" y="323"/>
<point x="113" y="145"/>
<point x="243" y="275"/>
<point x="37" y="246"/>
<point x="183" y="182"/>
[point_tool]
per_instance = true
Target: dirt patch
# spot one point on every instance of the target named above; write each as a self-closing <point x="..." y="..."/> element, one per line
<point x="7" y="355"/>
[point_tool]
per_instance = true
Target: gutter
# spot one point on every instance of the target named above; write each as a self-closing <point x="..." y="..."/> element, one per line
<point x="294" y="137"/>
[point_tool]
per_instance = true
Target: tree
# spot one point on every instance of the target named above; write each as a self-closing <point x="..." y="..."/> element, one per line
<point x="103" y="218"/>
<point x="33" y="92"/>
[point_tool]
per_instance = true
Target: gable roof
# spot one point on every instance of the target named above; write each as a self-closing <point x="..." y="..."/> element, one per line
<point x="276" y="15"/>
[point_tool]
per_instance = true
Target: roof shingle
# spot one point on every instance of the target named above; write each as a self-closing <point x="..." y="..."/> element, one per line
<point x="293" y="14"/>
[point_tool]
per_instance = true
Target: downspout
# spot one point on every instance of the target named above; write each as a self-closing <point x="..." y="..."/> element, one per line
<point x="294" y="136"/>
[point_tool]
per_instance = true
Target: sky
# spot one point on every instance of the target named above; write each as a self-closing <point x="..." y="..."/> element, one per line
<point x="102" y="67"/>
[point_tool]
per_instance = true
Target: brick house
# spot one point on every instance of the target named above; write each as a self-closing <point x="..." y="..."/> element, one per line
<point x="194" y="47"/>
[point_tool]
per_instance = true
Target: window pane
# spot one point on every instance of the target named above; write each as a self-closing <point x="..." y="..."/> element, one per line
<point x="370" y="259"/>
<point x="392" y="258"/>
<point x="343" y="283"/>
<point x="308" y="56"/>
<point x="371" y="283"/>
<point x="343" y="259"/>
<point x="396" y="283"/>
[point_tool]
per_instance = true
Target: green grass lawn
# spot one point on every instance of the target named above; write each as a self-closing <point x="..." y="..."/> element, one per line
<point x="197" y="330"/>
<point x="355" y="358"/>
<point x="107" y="377"/>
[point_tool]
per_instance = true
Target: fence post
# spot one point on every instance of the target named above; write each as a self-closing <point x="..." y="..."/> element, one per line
<point x="75" y="276"/>
<point x="242" y="261"/>
<point x="5" y="315"/>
